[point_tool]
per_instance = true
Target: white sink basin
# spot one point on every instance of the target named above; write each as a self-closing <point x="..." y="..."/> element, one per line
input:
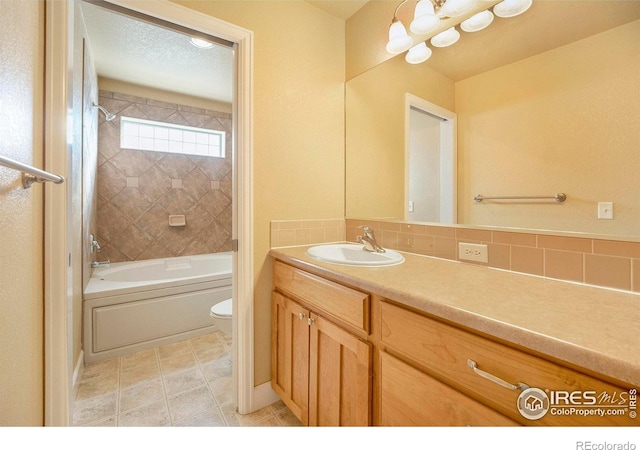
<point x="354" y="255"/>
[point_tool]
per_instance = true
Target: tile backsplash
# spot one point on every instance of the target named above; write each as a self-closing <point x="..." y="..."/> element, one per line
<point x="139" y="190"/>
<point x="598" y="262"/>
<point x="285" y="233"/>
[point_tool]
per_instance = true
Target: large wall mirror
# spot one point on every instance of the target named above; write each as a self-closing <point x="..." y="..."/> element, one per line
<point x="546" y="103"/>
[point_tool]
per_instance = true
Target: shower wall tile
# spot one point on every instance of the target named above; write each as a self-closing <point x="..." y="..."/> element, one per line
<point x="138" y="190"/>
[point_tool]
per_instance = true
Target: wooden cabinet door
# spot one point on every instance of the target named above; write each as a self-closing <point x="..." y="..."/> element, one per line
<point x="410" y="397"/>
<point x="290" y="355"/>
<point x="340" y="373"/>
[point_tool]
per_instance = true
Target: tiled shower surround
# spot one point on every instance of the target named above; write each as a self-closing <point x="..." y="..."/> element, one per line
<point x="139" y="190"/>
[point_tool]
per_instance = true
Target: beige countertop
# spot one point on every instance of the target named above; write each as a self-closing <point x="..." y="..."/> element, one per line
<point x="593" y="328"/>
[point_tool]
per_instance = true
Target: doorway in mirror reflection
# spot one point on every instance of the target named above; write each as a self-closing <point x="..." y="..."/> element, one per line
<point x="430" y="145"/>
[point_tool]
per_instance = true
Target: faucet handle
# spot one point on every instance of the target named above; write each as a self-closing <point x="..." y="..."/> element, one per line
<point x="94" y="244"/>
<point x="366" y="228"/>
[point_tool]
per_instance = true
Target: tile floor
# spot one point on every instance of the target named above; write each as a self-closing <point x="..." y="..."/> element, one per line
<point x="183" y="384"/>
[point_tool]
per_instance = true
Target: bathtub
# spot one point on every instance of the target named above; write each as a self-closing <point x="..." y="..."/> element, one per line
<point x="132" y="306"/>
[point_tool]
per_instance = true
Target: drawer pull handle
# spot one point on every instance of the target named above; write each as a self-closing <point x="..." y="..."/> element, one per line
<point x="301" y="316"/>
<point x="521" y="386"/>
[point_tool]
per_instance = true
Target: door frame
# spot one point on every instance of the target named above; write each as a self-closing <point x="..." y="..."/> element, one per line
<point x="448" y="152"/>
<point x="58" y="97"/>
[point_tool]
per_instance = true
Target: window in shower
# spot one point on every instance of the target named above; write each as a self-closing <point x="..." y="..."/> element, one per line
<point x="140" y="134"/>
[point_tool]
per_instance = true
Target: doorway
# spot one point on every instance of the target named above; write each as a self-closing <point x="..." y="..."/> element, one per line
<point x="61" y="357"/>
<point x="431" y="162"/>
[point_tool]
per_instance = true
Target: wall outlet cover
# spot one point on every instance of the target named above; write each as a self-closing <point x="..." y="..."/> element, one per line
<point x="473" y="252"/>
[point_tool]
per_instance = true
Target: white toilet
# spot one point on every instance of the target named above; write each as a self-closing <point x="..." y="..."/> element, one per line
<point x="221" y="314"/>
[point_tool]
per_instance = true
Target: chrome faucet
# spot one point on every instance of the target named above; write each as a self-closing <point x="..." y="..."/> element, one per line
<point x="95" y="247"/>
<point x="95" y="264"/>
<point x="369" y="240"/>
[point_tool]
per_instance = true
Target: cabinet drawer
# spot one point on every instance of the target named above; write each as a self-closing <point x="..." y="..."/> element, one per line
<point x="410" y="397"/>
<point x="340" y="302"/>
<point x="444" y="351"/>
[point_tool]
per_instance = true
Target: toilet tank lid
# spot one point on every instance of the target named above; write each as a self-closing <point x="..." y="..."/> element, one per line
<point x="224" y="308"/>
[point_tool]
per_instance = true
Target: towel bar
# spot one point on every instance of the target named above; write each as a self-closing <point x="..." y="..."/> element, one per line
<point x="560" y="197"/>
<point x="30" y="174"/>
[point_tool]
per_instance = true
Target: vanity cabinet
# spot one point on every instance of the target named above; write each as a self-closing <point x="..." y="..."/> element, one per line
<point x="341" y="356"/>
<point x="320" y="369"/>
<point x="488" y="372"/>
<point x="410" y="397"/>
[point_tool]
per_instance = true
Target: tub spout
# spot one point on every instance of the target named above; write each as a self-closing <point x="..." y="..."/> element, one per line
<point x="95" y="264"/>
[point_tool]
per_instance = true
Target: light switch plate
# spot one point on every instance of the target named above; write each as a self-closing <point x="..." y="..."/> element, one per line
<point x="605" y="210"/>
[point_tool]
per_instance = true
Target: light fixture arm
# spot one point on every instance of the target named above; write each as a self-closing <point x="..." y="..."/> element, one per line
<point x="438" y="3"/>
<point x="395" y="13"/>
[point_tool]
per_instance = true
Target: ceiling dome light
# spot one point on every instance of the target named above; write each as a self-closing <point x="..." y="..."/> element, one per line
<point x="511" y="8"/>
<point x="425" y="19"/>
<point x="200" y="43"/>
<point x="446" y="38"/>
<point x="399" y="40"/>
<point x="418" y="53"/>
<point x="477" y="22"/>
<point x="456" y="8"/>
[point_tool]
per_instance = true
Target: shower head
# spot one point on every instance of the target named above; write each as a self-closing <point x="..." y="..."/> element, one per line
<point x="107" y="115"/>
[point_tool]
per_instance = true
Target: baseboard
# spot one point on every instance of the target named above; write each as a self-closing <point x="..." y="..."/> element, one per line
<point x="264" y="395"/>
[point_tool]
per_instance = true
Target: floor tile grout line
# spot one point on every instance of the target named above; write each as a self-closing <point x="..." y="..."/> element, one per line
<point x="200" y="363"/>
<point x="164" y="387"/>
<point x="206" y="381"/>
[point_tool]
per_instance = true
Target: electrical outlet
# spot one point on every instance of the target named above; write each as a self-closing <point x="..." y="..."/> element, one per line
<point x="473" y="252"/>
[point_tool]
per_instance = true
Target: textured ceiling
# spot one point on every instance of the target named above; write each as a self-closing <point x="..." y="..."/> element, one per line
<point x="129" y="50"/>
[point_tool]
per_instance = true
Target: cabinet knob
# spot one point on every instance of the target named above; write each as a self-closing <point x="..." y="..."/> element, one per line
<point x="310" y="321"/>
<point x="301" y="316"/>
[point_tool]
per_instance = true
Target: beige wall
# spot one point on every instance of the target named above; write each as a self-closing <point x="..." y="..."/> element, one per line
<point x="21" y="235"/>
<point x="298" y="127"/>
<point x="562" y="121"/>
<point x="375" y="156"/>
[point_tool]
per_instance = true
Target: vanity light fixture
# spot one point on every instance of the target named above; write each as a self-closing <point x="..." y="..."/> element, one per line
<point x="424" y="19"/>
<point x="399" y="40"/>
<point x="427" y="19"/>
<point x="454" y="8"/>
<point x="418" y="53"/>
<point x="446" y="38"/>
<point x="477" y="22"/>
<point x="511" y="8"/>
